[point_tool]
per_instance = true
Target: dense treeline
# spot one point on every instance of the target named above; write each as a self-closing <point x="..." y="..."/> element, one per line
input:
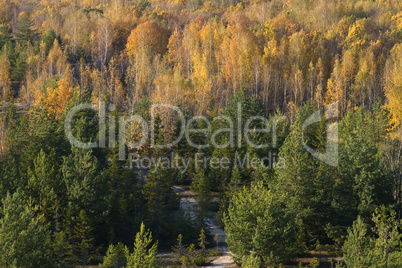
<point x="197" y="53"/>
<point x="276" y="58"/>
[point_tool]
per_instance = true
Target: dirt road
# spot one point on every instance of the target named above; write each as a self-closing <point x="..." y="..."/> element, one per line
<point x="187" y="202"/>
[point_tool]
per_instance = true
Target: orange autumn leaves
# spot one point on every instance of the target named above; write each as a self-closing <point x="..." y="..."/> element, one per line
<point x="56" y="99"/>
<point x="148" y="35"/>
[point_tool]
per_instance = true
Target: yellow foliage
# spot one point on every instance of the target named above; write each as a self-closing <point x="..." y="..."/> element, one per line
<point x="393" y="85"/>
<point x="318" y="99"/>
<point x="5" y="80"/>
<point x="398" y="20"/>
<point x="330" y="95"/>
<point x="57" y="98"/>
<point x="148" y="35"/>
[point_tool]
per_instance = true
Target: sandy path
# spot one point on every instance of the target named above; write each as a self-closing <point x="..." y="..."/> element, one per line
<point x="224" y="260"/>
<point x="186" y="203"/>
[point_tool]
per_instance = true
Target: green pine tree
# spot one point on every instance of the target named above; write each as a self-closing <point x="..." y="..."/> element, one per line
<point x="24" y="237"/>
<point x="84" y="186"/>
<point x="144" y="255"/>
<point x="60" y="248"/>
<point x="44" y="184"/>
<point x="257" y="223"/>
<point x="300" y="182"/>
<point x="24" y="32"/>
<point x="201" y="185"/>
<point x="115" y="256"/>
<point x="5" y="35"/>
<point x="158" y="195"/>
<point x="82" y="240"/>
<point x="382" y="250"/>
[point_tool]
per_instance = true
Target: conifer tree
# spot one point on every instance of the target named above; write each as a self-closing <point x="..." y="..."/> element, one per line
<point x="300" y="180"/>
<point x="82" y="240"/>
<point x="44" y="184"/>
<point x="144" y="255"/>
<point x="115" y="256"/>
<point x="159" y="195"/>
<point x="201" y="186"/>
<point x="25" y="34"/>
<point x="5" y="35"/>
<point x="24" y="236"/>
<point x="60" y="248"/>
<point x="366" y="182"/>
<point x="85" y="189"/>
<point x="257" y="224"/>
<point x="382" y="250"/>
